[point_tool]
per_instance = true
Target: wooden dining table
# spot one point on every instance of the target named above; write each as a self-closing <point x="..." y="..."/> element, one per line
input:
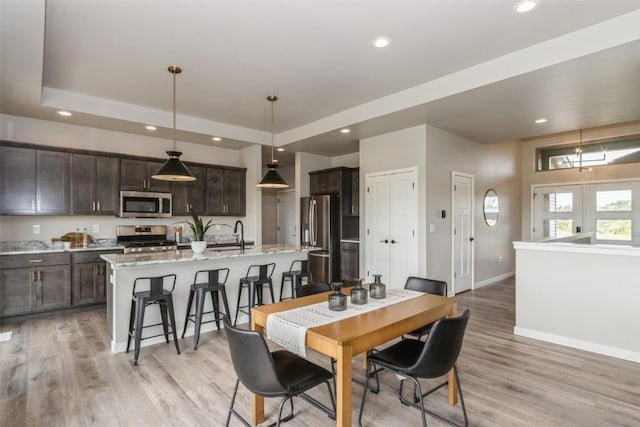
<point x="349" y="337"/>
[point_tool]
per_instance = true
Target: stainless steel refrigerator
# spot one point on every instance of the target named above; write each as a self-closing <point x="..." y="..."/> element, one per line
<point x="320" y="226"/>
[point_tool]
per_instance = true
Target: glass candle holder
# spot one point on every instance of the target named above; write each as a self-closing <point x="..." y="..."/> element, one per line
<point x="337" y="300"/>
<point x="378" y="289"/>
<point x="359" y="295"/>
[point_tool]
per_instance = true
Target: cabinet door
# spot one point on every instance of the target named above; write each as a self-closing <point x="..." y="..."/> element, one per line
<point x="234" y="192"/>
<point x="325" y="183"/>
<point x="133" y="174"/>
<point x="355" y="192"/>
<point x="107" y="185"/>
<point x="215" y="191"/>
<point x="83" y="179"/>
<point x="86" y="286"/>
<point x="52" y="182"/>
<point x="18" y="176"/>
<point x="156" y="184"/>
<point x="188" y="196"/>
<point x="54" y="289"/>
<point x="17" y="291"/>
<point x="349" y="261"/>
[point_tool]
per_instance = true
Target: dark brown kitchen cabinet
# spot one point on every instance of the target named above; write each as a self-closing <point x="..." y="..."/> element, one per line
<point x="325" y="182"/>
<point x="33" y="283"/>
<point x="34" y="182"/>
<point x="94" y="184"/>
<point x="355" y="193"/>
<point x="226" y="192"/>
<point x="136" y="175"/>
<point x="89" y="285"/>
<point x="190" y="196"/>
<point x="349" y="261"/>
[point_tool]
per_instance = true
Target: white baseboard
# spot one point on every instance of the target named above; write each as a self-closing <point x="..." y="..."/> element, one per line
<point x="606" y="350"/>
<point x="494" y="279"/>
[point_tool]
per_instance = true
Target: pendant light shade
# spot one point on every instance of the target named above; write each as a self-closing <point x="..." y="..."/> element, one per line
<point x="272" y="178"/>
<point x="173" y="169"/>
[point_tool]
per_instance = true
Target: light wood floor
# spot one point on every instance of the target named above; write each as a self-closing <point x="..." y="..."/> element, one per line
<point x="60" y="372"/>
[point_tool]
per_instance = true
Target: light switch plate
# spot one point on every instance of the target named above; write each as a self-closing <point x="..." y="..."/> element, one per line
<point x="95" y="228"/>
<point x="36" y="229"/>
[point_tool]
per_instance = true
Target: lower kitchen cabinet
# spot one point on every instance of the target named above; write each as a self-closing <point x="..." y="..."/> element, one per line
<point x="27" y="288"/>
<point x="349" y="261"/>
<point x="89" y="277"/>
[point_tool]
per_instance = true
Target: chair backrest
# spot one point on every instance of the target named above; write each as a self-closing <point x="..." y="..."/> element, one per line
<point x="312" y="289"/>
<point x="429" y="286"/>
<point x="156" y="284"/>
<point x="262" y="271"/>
<point x="442" y="348"/>
<point x="213" y="277"/>
<point x="252" y="361"/>
<point x="301" y="265"/>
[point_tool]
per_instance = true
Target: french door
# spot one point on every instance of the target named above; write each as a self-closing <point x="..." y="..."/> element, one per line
<point x="557" y="211"/>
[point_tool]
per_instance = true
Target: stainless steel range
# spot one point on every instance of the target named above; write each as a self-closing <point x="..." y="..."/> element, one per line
<point x="144" y="238"/>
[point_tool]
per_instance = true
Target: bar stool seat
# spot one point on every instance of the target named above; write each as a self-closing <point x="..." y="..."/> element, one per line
<point x="212" y="282"/>
<point x="155" y="294"/>
<point x="299" y="270"/>
<point x="257" y="276"/>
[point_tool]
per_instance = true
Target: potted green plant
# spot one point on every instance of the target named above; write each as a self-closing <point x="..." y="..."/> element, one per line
<point x="198" y="245"/>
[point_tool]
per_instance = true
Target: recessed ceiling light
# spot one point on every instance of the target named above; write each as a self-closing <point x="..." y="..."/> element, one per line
<point x="216" y="138"/>
<point x="381" y="41"/>
<point x="149" y="127"/>
<point x="64" y="113"/>
<point x="345" y="130"/>
<point x="540" y="121"/>
<point x="279" y="149"/>
<point x="524" y="6"/>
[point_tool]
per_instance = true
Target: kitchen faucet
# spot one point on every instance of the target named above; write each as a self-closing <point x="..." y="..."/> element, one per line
<point x="235" y="230"/>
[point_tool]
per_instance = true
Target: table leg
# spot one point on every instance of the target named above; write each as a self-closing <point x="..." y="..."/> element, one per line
<point x="453" y="391"/>
<point x="258" y="401"/>
<point x="343" y="386"/>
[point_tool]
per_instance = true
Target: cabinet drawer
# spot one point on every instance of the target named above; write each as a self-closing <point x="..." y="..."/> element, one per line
<point x="92" y="256"/>
<point x="34" y="260"/>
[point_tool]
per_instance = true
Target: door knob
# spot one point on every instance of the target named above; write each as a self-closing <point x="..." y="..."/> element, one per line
<point x="384" y="241"/>
<point x="394" y="241"/>
<point x="471" y="239"/>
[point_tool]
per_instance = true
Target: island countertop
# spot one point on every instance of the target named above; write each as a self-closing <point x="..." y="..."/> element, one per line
<point x="118" y="261"/>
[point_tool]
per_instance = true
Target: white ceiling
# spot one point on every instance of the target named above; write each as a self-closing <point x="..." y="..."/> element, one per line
<point x="472" y="67"/>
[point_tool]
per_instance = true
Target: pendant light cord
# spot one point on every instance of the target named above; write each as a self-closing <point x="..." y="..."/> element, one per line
<point x="272" y="99"/>
<point x="174" y="110"/>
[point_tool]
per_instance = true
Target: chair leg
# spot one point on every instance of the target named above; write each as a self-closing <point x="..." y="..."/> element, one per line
<point x="216" y="307"/>
<point x="422" y="411"/>
<point x="282" y="287"/>
<point x="235" y="320"/>
<point x="186" y="317"/>
<point x="140" y="308"/>
<point x="233" y="400"/>
<point x="173" y="322"/>
<point x="200" y="294"/>
<point x="273" y="298"/>
<point x="132" y="316"/>
<point x="225" y="302"/>
<point x="364" y="392"/>
<point x="288" y="417"/>
<point x="464" y="409"/>
<point x="163" y="313"/>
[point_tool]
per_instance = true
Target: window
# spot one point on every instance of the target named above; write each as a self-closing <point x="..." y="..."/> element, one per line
<point x="623" y="150"/>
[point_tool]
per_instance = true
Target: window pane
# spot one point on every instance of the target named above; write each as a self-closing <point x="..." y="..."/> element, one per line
<point x="610" y="152"/>
<point x="557" y="227"/>
<point x="613" y="229"/>
<point x="609" y="201"/>
<point x="558" y="202"/>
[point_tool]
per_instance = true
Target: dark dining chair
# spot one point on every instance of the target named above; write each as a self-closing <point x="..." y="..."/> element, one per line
<point x="412" y="359"/>
<point x="273" y="374"/>
<point x="428" y="286"/>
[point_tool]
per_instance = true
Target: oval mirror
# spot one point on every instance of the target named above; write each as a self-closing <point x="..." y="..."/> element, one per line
<point x="491" y="207"/>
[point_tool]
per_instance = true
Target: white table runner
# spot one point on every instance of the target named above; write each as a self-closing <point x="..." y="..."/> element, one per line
<point x="288" y="328"/>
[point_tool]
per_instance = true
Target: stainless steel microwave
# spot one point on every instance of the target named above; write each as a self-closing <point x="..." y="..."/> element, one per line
<point x="143" y="204"/>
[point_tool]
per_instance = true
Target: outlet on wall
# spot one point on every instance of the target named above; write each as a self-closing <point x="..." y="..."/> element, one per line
<point x="36" y="229"/>
<point x="95" y="228"/>
<point x="500" y="258"/>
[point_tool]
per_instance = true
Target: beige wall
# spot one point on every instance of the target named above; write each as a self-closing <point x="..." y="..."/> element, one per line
<point x="270" y="205"/>
<point x="570" y="176"/>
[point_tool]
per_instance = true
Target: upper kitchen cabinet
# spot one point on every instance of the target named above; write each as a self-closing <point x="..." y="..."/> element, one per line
<point x="355" y="192"/>
<point x="325" y="182"/>
<point x="94" y="184"/>
<point x="226" y="191"/>
<point x="136" y="175"/>
<point x="34" y="182"/>
<point x="190" y="196"/>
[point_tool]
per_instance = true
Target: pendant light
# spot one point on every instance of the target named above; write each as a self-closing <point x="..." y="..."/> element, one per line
<point x="173" y="169"/>
<point x="272" y="178"/>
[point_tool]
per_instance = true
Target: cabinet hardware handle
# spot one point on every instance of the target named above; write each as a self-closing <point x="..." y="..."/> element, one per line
<point x="33" y="204"/>
<point x="40" y="275"/>
<point x="93" y="206"/>
<point x="384" y="241"/>
<point x="98" y="203"/>
<point x="35" y="261"/>
<point x="34" y="275"/>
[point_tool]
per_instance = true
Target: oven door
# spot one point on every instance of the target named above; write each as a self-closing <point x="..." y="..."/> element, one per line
<point x="140" y="204"/>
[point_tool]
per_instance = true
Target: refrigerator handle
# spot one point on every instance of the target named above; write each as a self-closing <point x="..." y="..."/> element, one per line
<point x="313" y="224"/>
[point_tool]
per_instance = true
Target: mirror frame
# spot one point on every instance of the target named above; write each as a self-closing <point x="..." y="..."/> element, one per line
<point x="489" y="218"/>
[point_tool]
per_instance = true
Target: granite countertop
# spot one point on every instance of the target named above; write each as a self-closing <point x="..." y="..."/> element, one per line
<point x="215" y="244"/>
<point x="22" y="247"/>
<point x="133" y="260"/>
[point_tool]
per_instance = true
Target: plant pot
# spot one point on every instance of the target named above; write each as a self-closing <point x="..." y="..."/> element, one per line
<point x="198" y="246"/>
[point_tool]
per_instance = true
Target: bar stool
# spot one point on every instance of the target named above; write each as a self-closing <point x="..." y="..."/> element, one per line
<point x="156" y="294"/>
<point x="213" y="284"/>
<point x="257" y="276"/>
<point x="295" y="276"/>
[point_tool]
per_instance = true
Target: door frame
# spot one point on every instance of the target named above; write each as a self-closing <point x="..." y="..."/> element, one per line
<point x="296" y="224"/>
<point x="452" y="225"/>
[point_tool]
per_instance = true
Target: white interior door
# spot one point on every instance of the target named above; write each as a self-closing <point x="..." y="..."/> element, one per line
<point x="391" y="242"/>
<point x="462" y="232"/>
<point x="287" y="233"/>
<point x="557" y="211"/>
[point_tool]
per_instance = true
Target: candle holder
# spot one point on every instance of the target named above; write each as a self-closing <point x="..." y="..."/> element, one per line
<point x="378" y="289"/>
<point x="359" y="295"/>
<point x="337" y="300"/>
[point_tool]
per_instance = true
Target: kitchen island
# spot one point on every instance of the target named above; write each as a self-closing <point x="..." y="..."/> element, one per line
<point x="124" y="269"/>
